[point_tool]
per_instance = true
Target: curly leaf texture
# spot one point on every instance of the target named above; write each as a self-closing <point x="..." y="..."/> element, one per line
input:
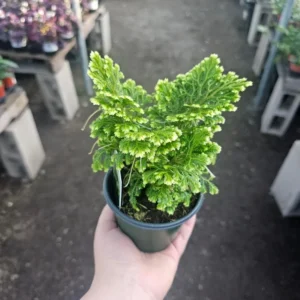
<point x="162" y="142"/>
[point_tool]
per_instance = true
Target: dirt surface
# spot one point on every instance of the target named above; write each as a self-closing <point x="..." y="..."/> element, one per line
<point x="148" y="212"/>
<point x="241" y="247"/>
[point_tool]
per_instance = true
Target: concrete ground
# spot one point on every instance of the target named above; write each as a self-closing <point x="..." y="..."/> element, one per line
<point x="241" y="247"/>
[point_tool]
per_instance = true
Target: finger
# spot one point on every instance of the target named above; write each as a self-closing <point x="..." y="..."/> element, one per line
<point x="184" y="235"/>
<point x="107" y="221"/>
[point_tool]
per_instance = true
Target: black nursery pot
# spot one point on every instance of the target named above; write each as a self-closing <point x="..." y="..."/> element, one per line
<point x="147" y="237"/>
<point x="34" y="47"/>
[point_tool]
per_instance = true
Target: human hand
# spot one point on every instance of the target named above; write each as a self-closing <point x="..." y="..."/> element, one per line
<point x="122" y="271"/>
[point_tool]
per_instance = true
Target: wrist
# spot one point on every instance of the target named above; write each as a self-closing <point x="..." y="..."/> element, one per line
<point x="108" y="292"/>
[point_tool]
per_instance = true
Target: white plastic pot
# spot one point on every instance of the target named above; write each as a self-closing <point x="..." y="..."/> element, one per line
<point x="50" y="47"/>
<point x="67" y="35"/>
<point x="93" y="5"/>
<point x="19" y="43"/>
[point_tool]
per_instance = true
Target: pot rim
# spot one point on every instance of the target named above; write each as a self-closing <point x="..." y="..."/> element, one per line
<point x="150" y="226"/>
<point x="294" y="64"/>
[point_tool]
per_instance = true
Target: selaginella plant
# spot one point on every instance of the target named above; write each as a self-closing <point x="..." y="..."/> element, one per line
<point x="162" y="142"/>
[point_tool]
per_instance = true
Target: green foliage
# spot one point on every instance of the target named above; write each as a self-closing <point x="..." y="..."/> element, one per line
<point x="278" y="5"/>
<point x="290" y="44"/>
<point x="163" y="141"/>
<point x="6" y="67"/>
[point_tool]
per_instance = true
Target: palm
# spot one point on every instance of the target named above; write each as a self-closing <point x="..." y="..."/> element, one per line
<point x="117" y="257"/>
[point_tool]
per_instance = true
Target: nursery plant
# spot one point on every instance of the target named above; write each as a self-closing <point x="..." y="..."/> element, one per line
<point x="21" y="22"/>
<point x="50" y="38"/>
<point x="4" y="41"/>
<point x="289" y="47"/>
<point x="17" y="32"/>
<point x="6" y="68"/>
<point x="278" y="5"/>
<point x="160" y="145"/>
<point x="34" y="35"/>
<point x="2" y="92"/>
<point x="65" y="29"/>
<point x="6" y="76"/>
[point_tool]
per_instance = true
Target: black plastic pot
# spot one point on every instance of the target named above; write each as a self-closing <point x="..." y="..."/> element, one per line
<point x="5" y="45"/>
<point x="147" y="237"/>
<point x="34" y="47"/>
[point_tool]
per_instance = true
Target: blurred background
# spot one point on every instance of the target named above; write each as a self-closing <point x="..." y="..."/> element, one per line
<point x="246" y="241"/>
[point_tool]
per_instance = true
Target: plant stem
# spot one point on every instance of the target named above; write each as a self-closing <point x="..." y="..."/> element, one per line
<point x="210" y="173"/>
<point x="144" y="126"/>
<point x="130" y="173"/>
<point x="93" y="147"/>
<point x="88" y="119"/>
<point x="92" y="150"/>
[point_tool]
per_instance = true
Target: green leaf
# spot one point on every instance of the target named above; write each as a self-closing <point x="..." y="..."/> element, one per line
<point x="118" y="159"/>
<point x="7" y="64"/>
<point x="102" y="160"/>
<point x="134" y="190"/>
<point x="135" y="148"/>
<point x="213" y="190"/>
<point x="105" y="74"/>
<point x="136" y="92"/>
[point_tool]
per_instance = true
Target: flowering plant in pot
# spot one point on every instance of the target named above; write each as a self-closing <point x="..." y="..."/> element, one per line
<point x="34" y="34"/>
<point x="289" y="48"/>
<point x="7" y="79"/>
<point x="34" y="4"/>
<point x="2" y="92"/>
<point x="50" y="39"/>
<point x="65" y="29"/>
<point x="4" y="41"/>
<point x="17" y="33"/>
<point x="157" y="148"/>
<point x="51" y="10"/>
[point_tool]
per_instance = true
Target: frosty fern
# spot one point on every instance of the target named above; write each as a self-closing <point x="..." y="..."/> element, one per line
<point x="162" y="142"/>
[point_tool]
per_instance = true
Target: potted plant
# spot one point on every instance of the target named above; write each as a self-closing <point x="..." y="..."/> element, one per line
<point x="157" y="148"/>
<point x="277" y="8"/>
<point x="50" y="40"/>
<point x="23" y="8"/>
<point x="65" y="28"/>
<point x="2" y="92"/>
<point x="289" y="48"/>
<point x="17" y="33"/>
<point x="51" y="10"/>
<point x="4" y="41"/>
<point x="34" y="35"/>
<point x="6" y="76"/>
<point x="34" y="4"/>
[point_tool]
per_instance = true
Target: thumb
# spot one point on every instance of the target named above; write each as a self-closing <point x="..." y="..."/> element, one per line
<point x="106" y="221"/>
